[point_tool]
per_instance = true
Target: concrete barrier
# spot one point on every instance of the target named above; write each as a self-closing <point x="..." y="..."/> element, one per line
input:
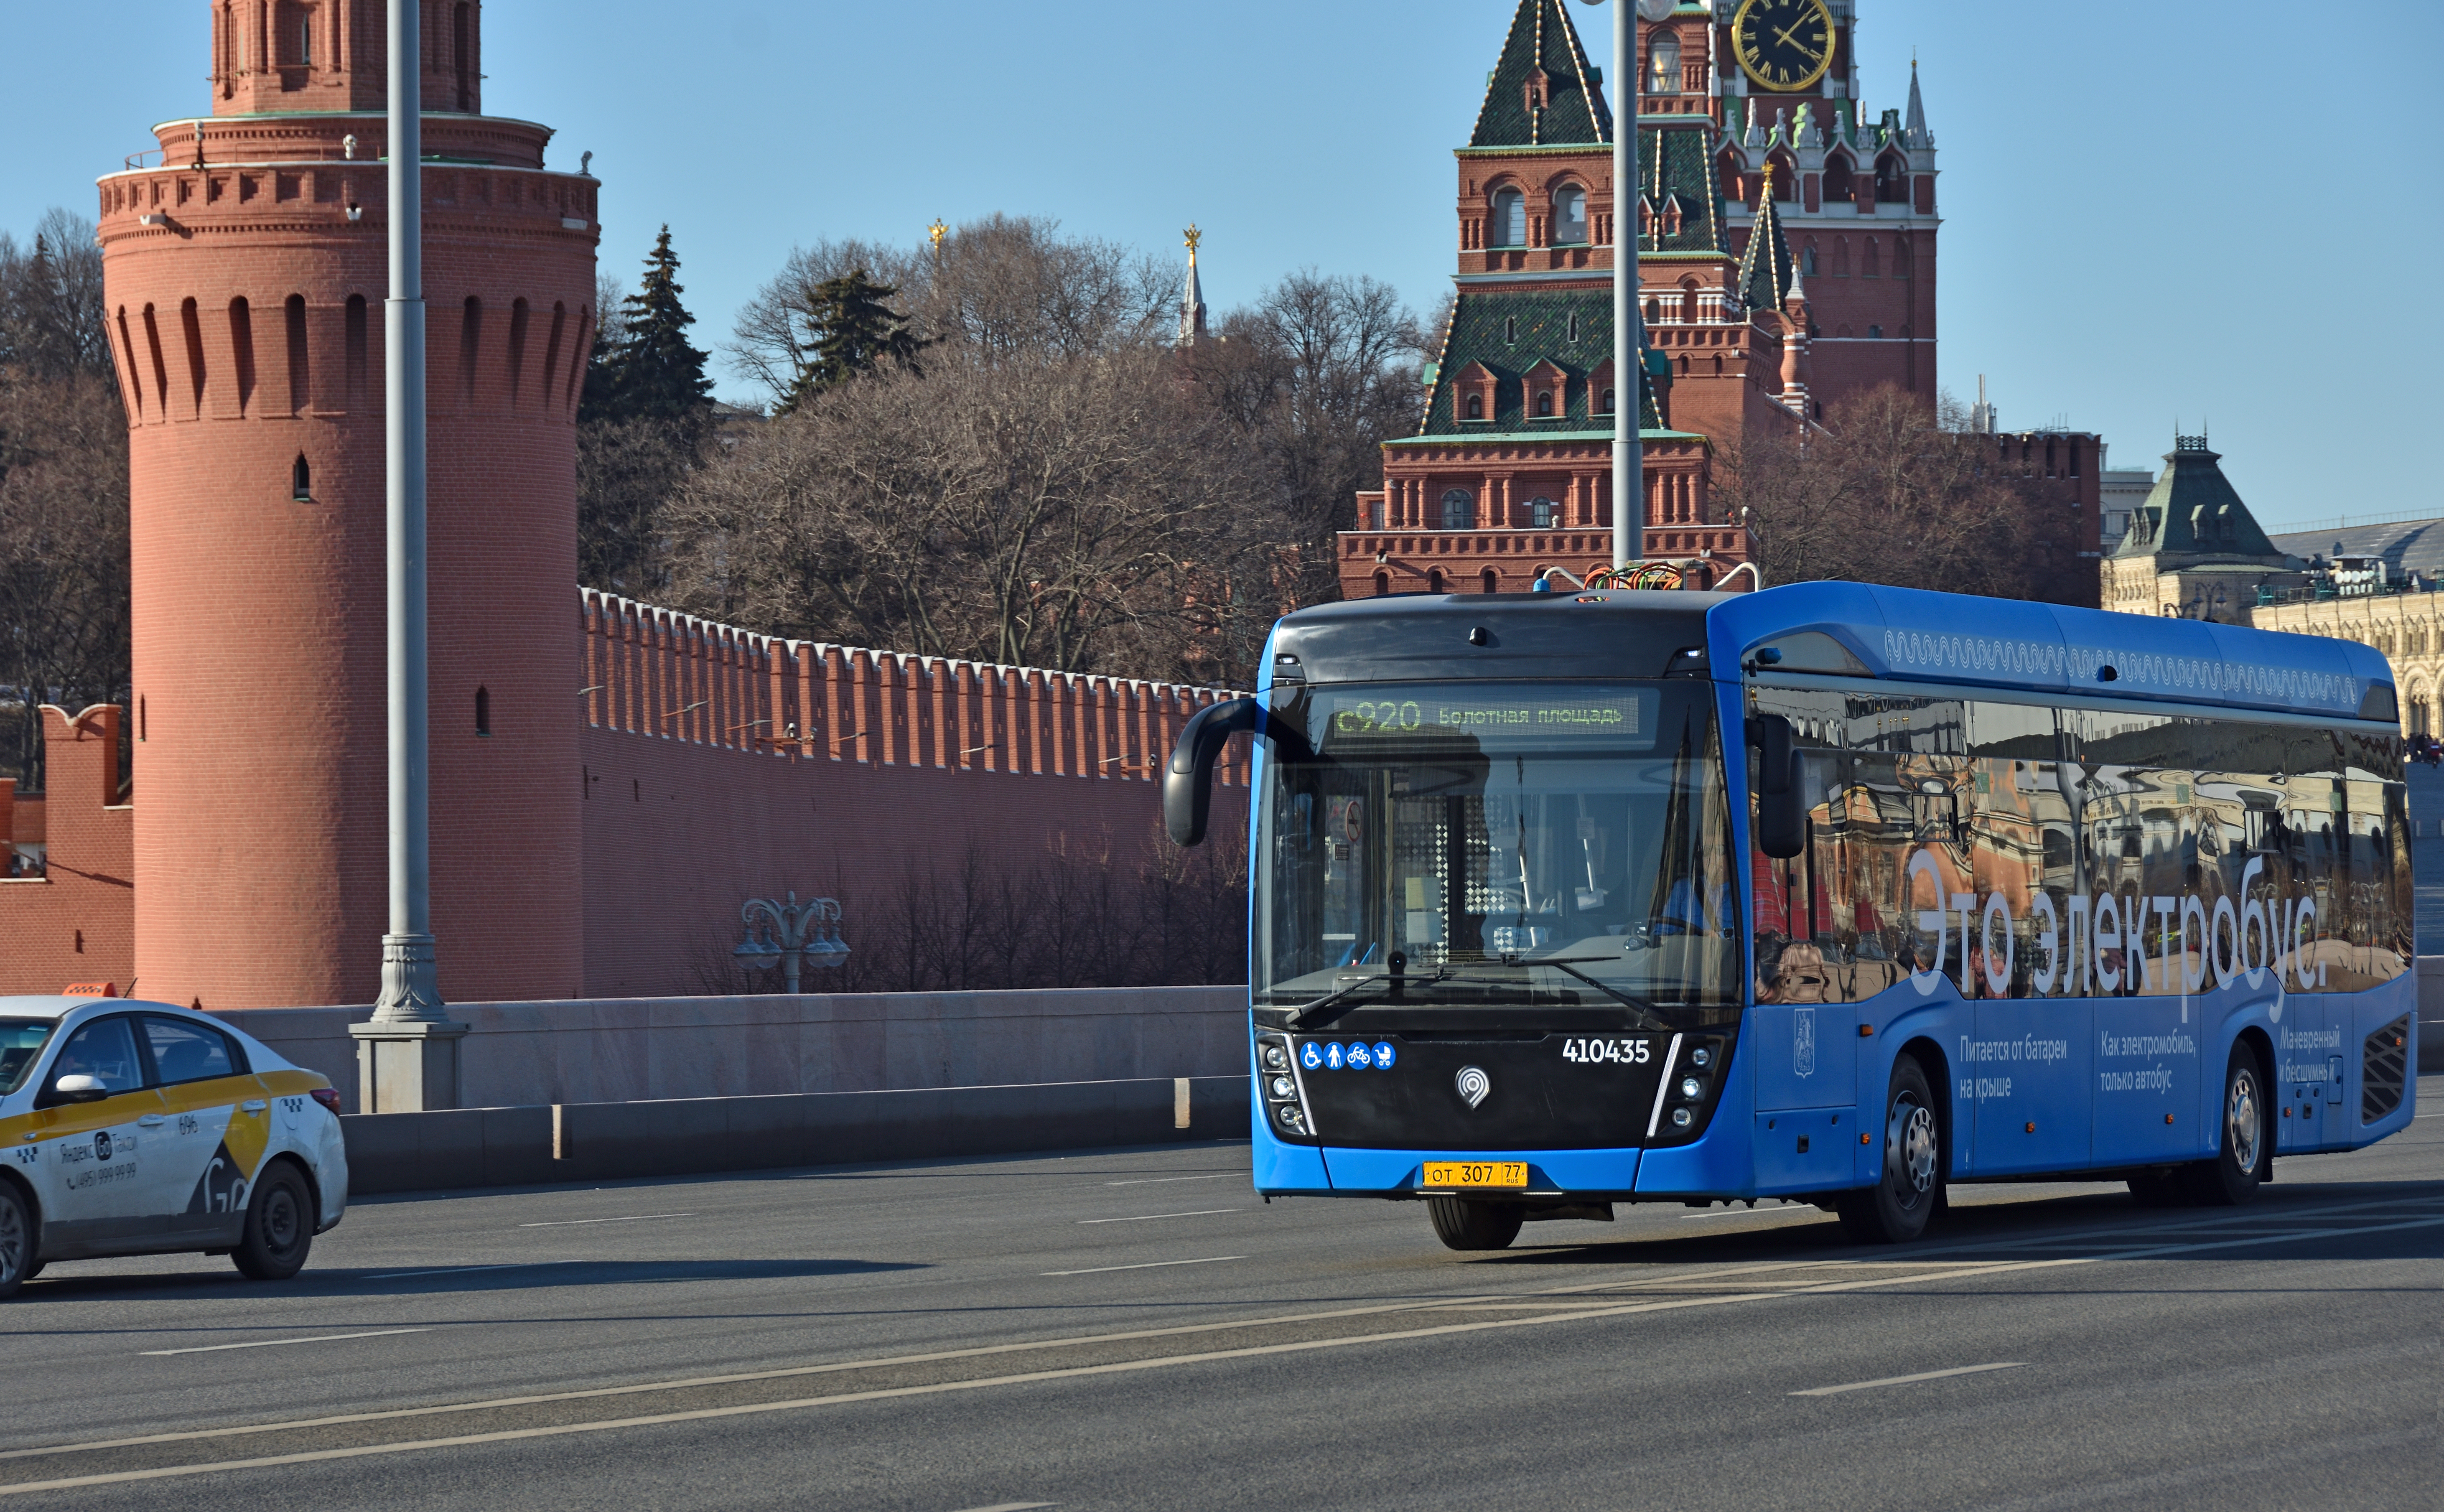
<point x="599" y="1141"/>
<point x="661" y="1050"/>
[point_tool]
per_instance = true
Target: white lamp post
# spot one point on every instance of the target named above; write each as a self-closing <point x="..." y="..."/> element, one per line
<point x="1628" y="471"/>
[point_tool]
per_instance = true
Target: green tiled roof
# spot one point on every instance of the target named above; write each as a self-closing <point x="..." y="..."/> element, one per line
<point x="1512" y="331"/>
<point x="1543" y="37"/>
<point x="2193" y="507"/>
<point x="1765" y="267"/>
<point x="1674" y="166"/>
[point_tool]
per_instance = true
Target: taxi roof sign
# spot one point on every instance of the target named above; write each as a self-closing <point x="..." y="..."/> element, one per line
<point x="90" y="989"/>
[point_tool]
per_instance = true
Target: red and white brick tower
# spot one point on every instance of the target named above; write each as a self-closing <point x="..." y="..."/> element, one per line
<point x="245" y="274"/>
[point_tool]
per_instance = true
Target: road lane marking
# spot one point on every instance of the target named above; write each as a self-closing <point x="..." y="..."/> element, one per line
<point x="1011" y="1506"/>
<point x="1941" y="1256"/>
<point x="276" y="1343"/>
<point x="1150" y="1264"/>
<point x="576" y="1222"/>
<point x="446" y="1270"/>
<point x="944" y="1388"/>
<point x="1905" y="1380"/>
<point x="1147" y="1218"/>
<point x="1219" y="1175"/>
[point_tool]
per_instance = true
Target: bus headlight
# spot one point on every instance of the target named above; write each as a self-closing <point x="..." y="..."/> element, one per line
<point x="1689" y="1088"/>
<point x="1682" y="1117"/>
<point x="1281" y="1088"/>
<point x="1277" y="1058"/>
<point x="1285" y="1087"/>
<point x="1291" y="1118"/>
<point x="1701" y="1057"/>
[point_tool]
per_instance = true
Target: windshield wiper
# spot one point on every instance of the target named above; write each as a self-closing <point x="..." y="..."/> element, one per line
<point x="1298" y="1016"/>
<point x="1654" y="1019"/>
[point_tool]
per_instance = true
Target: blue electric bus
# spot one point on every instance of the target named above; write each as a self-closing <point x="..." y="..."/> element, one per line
<point x="1830" y="892"/>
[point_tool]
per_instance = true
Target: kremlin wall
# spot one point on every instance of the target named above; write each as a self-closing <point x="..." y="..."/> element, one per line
<point x="608" y="785"/>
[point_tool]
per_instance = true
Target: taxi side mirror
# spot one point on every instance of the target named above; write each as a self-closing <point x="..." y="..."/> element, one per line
<point x="77" y="1087"/>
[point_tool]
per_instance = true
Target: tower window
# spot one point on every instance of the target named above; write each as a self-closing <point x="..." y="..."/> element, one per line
<point x="1608" y="403"/>
<point x="484" y="711"/>
<point x="1511" y="330"/>
<point x="1476" y="406"/>
<point x="1540" y="513"/>
<point x="1653" y="311"/>
<point x="1459" y="510"/>
<point x="1874" y="333"/>
<point x="1544" y="404"/>
<point x="1509" y="218"/>
<point x="1574" y="325"/>
<point x="1837" y="178"/>
<point x="1434" y="580"/>
<point x="1492" y="579"/>
<point x="1569" y="215"/>
<point x="1807" y="260"/>
<point x="301" y="480"/>
<point x="1663" y="64"/>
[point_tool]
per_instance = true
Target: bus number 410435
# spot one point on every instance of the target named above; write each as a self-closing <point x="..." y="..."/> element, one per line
<point x="1607" y="1052"/>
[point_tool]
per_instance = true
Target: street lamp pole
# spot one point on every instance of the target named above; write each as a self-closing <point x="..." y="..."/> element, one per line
<point x="792" y="933"/>
<point x="1628" y="463"/>
<point x="407" y="1055"/>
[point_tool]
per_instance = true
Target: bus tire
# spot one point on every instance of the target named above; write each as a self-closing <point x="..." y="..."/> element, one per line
<point x="1894" y="1211"/>
<point x="1461" y="1223"/>
<point x="2244" y="1137"/>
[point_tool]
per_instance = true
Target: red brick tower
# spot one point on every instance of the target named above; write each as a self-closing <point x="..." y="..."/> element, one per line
<point x="245" y="274"/>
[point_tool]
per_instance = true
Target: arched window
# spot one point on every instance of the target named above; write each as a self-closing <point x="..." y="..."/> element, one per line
<point x="1892" y="180"/>
<point x="1434" y="580"/>
<point x="1874" y="333"/>
<point x="1871" y="261"/>
<point x="1689" y="302"/>
<point x="1807" y="260"/>
<point x="1508" y="226"/>
<point x="1900" y="257"/>
<point x="1382" y="583"/>
<point x="1459" y="509"/>
<point x="1837" y="178"/>
<point x="1607" y="408"/>
<point x="1542" y="512"/>
<point x="1544" y="404"/>
<point x="1786" y="178"/>
<point x="1511" y="330"/>
<point x="1574" y="325"/>
<point x="1492" y="579"/>
<point x="1476" y="406"/>
<point x="1653" y="311"/>
<point x="483" y="712"/>
<point x="1569" y="215"/>
<point x="301" y="480"/>
<point x="1663" y="64"/>
<point x="1840" y="257"/>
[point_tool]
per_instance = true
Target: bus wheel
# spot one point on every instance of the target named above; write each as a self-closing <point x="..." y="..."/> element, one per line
<point x="1894" y="1211"/>
<point x="1463" y="1225"/>
<point x="2245" y="1155"/>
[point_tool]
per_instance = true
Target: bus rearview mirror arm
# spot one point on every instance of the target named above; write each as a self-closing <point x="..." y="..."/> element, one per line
<point x="1781" y="801"/>
<point x="1188" y="782"/>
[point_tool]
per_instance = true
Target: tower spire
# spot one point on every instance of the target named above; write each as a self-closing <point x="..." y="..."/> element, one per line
<point x="1192" y="295"/>
<point x="1766" y="271"/>
<point x="1916" y="122"/>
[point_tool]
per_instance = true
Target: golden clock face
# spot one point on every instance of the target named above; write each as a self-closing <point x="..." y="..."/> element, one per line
<point x="1782" y="44"/>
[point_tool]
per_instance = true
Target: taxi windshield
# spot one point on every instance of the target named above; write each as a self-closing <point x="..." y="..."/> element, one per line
<point x="20" y="1045"/>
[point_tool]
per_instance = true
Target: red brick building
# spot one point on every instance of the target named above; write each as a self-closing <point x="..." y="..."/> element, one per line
<point x="1786" y="257"/>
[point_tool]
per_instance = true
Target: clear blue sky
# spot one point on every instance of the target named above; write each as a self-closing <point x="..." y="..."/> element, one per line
<point x="2151" y="211"/>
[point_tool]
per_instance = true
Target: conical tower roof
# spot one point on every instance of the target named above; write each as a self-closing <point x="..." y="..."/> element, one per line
<point x="1766" y="268"/>
<point x="1542" y="45"/>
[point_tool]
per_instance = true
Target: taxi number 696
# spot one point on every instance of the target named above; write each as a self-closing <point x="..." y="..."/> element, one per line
<point x="1607" y="1052"/>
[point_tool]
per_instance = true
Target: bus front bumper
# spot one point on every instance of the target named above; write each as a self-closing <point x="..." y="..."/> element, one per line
<point x="1718" y="1163"/>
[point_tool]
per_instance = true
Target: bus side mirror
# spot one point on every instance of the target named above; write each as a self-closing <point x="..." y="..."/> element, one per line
<point x="1188" y="782"/>
<point x="1782" y="804"/>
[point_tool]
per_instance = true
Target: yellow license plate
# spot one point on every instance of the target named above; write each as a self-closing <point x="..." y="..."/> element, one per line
<point x="1512" y="1173"/>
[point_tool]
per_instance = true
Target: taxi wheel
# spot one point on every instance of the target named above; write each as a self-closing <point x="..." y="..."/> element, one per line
<point x="1464" y="1225"/>
<point x="279" y="1226"/>
<point x="17" y="1262"/>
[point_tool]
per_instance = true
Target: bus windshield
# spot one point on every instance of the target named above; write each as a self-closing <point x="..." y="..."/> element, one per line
<point x="1500" y="846"/>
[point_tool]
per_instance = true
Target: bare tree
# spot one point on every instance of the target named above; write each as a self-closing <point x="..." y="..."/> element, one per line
<point x="1893" y="488"/>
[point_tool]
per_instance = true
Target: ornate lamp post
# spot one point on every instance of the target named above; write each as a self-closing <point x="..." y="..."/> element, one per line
<point x="792" y="933"/>
<point x="1628" y="463"/>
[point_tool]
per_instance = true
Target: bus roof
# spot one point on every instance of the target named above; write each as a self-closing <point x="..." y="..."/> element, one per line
<point x="1907" y="634"/>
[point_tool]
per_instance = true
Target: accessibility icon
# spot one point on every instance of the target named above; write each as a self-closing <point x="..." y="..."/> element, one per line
<point x="1332" y="1056"/>
<point x="1310" y="1057"/>
<point x="1360" y="1057"/>
<point x="1383" y="1055"/>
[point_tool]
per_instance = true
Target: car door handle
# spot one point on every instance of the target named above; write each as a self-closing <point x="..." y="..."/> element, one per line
<point x="253" y="1105"/>
<point x="151" y="1121"/>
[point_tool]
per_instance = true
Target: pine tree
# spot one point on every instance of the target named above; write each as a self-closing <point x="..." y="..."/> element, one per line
<point x="853" y="331"/>
<point x="652" y="373"/>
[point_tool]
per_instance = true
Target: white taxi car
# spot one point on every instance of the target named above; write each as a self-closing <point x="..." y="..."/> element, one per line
<point x="133" y="1128"/>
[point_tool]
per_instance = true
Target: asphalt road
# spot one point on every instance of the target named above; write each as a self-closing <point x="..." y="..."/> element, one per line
<point x="1135" y="1329"/>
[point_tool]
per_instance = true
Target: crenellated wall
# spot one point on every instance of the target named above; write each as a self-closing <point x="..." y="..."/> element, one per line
<point x="720" y="765"/>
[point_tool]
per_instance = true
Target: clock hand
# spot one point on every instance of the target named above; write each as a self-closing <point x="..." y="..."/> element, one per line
<point x="1787" y="39"/>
